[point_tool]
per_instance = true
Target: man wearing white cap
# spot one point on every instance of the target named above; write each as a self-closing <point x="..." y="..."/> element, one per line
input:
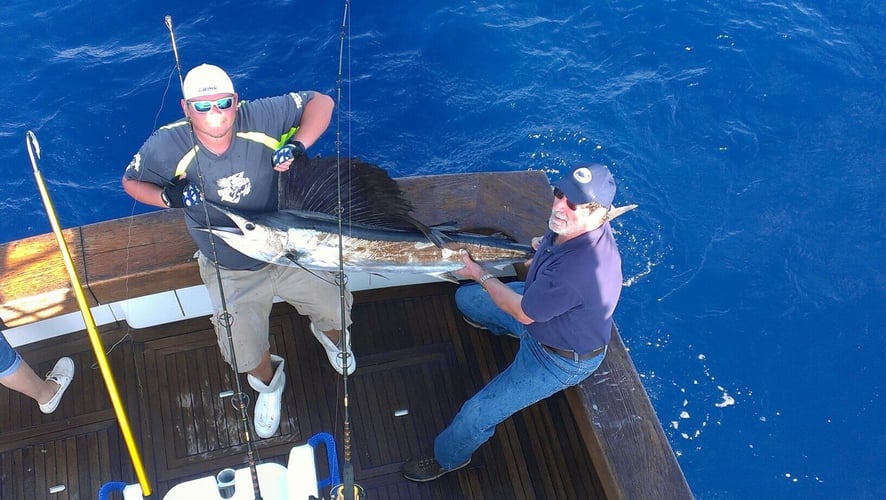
<point x="562" y="315"/>
<point x="231" y="153"/>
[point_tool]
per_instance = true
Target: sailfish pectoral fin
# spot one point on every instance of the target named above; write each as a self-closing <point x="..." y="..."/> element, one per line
<point x="292" y="257"/>
<point x="438" y="238"/>
<point x="445" y="275"/>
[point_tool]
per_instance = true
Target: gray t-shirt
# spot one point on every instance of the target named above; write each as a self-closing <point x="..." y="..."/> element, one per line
<point x="243" y="177"/>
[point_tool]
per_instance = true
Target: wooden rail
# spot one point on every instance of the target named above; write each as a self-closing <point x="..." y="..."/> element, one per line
<point x="623" y="434"/>
<point x="153" y="252"/>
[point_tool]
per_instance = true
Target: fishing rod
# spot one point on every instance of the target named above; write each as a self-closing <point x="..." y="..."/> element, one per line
<point x="348" y="490"/>
<point x="239" y="401"/>
<point x="86" y="312"/>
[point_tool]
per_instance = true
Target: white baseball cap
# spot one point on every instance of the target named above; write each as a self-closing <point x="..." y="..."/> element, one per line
<point x="206" y="79"/>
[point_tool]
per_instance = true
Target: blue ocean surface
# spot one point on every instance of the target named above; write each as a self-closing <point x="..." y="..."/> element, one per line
<point x="751" y="134"/>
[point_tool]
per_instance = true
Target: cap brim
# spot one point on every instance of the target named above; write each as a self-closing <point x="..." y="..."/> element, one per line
<point x="573" y="194"/>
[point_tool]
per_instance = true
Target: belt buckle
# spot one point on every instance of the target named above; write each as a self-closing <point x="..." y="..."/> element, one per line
<point x="563" y="353"/>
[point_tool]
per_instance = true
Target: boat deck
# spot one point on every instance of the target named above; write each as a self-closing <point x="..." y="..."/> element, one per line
<point x="412" y="352"/>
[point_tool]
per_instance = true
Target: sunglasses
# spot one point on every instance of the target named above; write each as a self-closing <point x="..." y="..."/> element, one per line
<point x="560" y="195"/>
<point x="204" y="106"/>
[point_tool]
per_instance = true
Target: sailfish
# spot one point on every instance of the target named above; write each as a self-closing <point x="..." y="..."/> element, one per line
<point x="376" y="232"/>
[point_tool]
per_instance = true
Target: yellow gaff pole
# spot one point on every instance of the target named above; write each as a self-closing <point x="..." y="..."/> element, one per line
<point x="94" y="339"/>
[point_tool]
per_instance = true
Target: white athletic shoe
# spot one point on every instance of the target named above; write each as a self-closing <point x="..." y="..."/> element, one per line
<point x="334" y="353"/>
<point x="270" y="398"/>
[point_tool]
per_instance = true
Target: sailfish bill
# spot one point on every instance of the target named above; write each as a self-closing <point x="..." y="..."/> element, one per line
<point x="378" y="234"/>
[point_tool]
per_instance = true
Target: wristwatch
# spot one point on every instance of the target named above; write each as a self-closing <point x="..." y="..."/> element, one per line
<point x="164" y="198"/>
<point x="485" y="278"/>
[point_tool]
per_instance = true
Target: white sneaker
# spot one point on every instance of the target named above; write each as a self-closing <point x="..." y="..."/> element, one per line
<point x="270" y="398"/>
<point x="62" y="374"/>
<point x="334" y="353"/>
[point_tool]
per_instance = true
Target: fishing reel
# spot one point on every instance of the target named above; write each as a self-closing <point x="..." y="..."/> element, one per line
<point x="338" y="492"/>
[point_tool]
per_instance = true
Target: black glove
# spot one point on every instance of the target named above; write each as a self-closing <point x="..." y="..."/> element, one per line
<point x="289" y="151"/>
<point x="182" y="193"/>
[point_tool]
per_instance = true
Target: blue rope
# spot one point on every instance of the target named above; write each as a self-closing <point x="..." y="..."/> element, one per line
<point x="109" y="488"/>
<point x="329" y="441"/>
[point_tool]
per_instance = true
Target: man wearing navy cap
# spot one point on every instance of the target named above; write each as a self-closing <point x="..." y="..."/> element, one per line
<point x="562" y="315"/>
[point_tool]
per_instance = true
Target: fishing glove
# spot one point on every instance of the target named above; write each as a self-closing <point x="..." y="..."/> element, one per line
<point x="289" y="151"/>
<point x="183" y="193"/>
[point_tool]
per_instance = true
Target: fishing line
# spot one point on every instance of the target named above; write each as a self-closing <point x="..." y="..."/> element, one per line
<point x="240" y="401"/>
<point x="127" y="336"/>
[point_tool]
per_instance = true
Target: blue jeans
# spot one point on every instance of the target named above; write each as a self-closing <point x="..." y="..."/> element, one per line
<point x="9" y="358"/>
<point x="535" y="374"/>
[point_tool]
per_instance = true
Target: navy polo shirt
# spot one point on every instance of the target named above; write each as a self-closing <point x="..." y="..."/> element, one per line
<point x="572" y="290"/>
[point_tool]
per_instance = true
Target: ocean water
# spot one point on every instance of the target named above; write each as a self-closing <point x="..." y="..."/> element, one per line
<point x="751" y="134"/>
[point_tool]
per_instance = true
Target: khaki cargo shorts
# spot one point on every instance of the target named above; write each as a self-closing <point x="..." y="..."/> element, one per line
<point x="249" y="296"/>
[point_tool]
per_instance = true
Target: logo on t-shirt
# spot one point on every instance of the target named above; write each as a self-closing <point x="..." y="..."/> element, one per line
<point x="135" y="163"/>
<point x="232" y="189"/>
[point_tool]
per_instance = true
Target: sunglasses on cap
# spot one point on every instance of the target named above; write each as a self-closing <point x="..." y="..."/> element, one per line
<point x="204" y="106"/>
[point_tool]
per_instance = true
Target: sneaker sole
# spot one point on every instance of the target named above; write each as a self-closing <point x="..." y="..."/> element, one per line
<point x="478" y="326"/>
<point x="438" y="476"/>
<point x="473" y="323"/>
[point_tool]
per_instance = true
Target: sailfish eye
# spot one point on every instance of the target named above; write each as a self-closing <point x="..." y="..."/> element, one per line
<point x="250" y="226"/>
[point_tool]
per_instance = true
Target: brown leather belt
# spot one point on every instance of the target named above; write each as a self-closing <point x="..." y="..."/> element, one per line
<point x="574" y="356"/>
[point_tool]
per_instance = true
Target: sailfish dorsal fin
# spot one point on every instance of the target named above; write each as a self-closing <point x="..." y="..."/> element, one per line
<point x="368" y="193"/>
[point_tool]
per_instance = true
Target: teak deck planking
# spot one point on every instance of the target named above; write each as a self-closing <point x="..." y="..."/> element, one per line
<point x="411" y="356"/>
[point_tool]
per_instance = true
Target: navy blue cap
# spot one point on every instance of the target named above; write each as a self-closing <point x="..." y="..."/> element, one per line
<point x="587" y="184"/>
